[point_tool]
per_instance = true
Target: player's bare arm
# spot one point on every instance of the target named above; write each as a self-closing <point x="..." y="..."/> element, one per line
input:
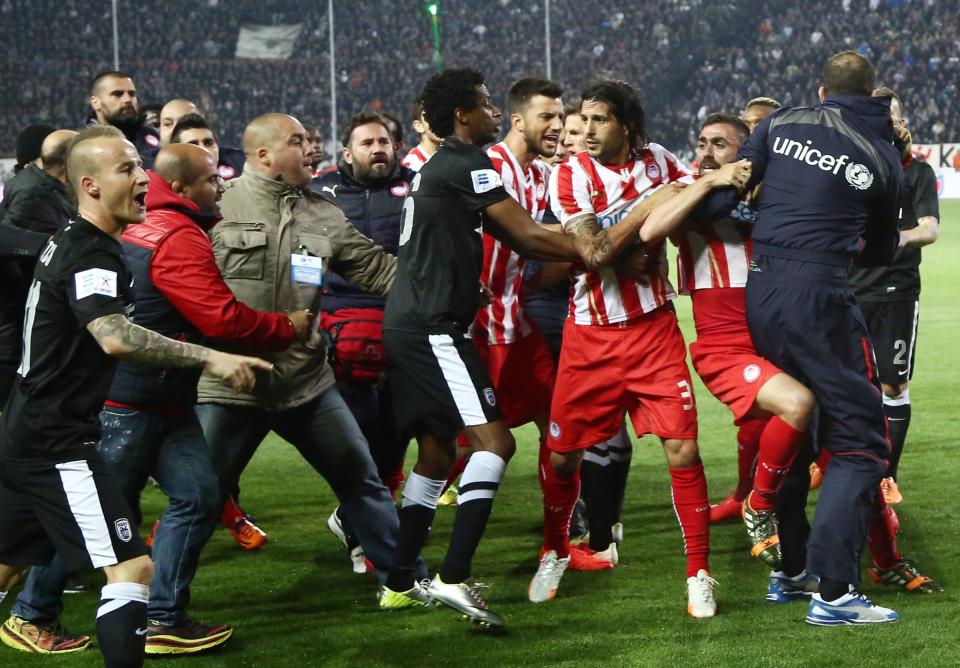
<point x="924" y="234"/>
<point x="510" y="223"/>
<point x="667" y="218"/>
<point x="118" y="337"/>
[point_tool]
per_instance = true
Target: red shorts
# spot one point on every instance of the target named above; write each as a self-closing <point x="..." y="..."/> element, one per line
<point x="523" y="375"/>
<point x="605" y="371"/>
<point x="732" y="370"/>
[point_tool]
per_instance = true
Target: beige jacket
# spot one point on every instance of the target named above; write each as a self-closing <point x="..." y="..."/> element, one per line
<point x="264" y="222"/>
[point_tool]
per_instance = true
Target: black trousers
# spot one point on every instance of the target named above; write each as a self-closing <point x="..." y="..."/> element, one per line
<point x="803" y="318"/>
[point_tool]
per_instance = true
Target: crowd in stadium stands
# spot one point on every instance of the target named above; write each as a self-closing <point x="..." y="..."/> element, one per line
<point x="687" y="56"/>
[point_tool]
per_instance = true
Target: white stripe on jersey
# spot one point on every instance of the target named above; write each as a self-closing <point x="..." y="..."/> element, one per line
<point x="33" y="298"/>
<point x="81" y="491"/>
<point x="582" y="186"/>
<point x="717" y="254"/>
<point x="458" y="380"/>
<point x="415" y="159"/>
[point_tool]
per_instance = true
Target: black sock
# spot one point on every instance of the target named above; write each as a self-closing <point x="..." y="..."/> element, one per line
<point x="621" y="456"/>
<point x="791" y="508"/>
<point x="122" y="624"/>
<point x="415" y="521"/>
<point x="596" y="489"/>
<point x="478" y="485"/>
<point x="831" y="590"/>
<point x="898" y="422"/>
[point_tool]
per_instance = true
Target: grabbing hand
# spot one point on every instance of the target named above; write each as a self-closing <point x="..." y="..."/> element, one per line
<point x="904" y="142"/>
<point x="486" y="295"/>
<point x="663" y="194"/>
<point x="638" y="264"/>
<point x="735" y="174"/>
<point x="301" y="323"/>
<point x="237" y="370"/>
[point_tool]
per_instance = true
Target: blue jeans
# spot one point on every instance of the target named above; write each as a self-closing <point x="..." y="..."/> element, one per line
<point x="173" y="451"/>
<point x="325" y="432"/>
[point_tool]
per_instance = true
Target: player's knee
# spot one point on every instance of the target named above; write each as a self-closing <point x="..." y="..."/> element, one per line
<point x="797" y="407"/>
<point x="893" y="391"/>
<point x="138" y="570"/>
<point x="565" y="464"/>
<point x="681" y="452"/>
<point x="504" y="445"/>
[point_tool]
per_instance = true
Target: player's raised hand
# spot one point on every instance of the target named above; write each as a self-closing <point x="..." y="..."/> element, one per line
<point x="735" y="174"/>
<point x="237" y="370"/>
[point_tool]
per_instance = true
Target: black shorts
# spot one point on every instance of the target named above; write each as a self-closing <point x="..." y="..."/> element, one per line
<point x="893" y="330"/>
<point x="438" y="384"/>
<point x="73" y="508"/>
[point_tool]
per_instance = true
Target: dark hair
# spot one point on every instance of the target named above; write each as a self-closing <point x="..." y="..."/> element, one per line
<point x="624" y="104"/>
<point x="446" y="92"/>
<point x="416" y="109"/>
<point x="763" y="102"/>
<point x="191" y="122"/>
<point x="397" y="133"/>
<point x="848" y="73"/>
<point x="526" y="89"/>
<point x="358" y="119"/>
<point x="105" y="74"/>
<point x="572" y="107"/>
<point x="741" y="128"/>
<point x="884" y="91"/>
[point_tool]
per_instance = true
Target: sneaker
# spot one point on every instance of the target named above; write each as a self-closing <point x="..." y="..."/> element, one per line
<point x="700" y="601"/>
<point x="543" y="586"/>
<point x="891" y="491"/>
<point x="816" y="475"/>
<point x="783" y="588"/>
<point x="336" y="527"/>
<point x="582" y="558"/>
<point x="415" y="597"/>
<point x="41" y="638"/>
<point x="763" y="532"/>
<point x="449" y="496"/>
<point x="241" y="527"/>
<point x="904" y="574"/>
<point x="728" y="509"/>
<point x="358" y="557"/>
<point x="359" y="560"/>
<point x="617" y="531"/>
<point x="465" y="598"/>
<point x="852" y="608"/>
<point x="191" y="637"/>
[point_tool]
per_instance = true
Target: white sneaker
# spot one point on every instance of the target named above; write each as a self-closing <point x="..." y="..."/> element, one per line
<point x="359" y="560"/>
<point x="700" y="601"/>
<point x="611" y="554"/>
<point x="852" y="608"/>
<point x="543" y="586"/>
<point x="617" y="531"/>
<point x="336" y="527"/>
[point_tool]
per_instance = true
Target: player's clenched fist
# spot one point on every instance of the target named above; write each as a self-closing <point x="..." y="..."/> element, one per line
<point x="236" y="369"/>
<point x="735" y="174"/>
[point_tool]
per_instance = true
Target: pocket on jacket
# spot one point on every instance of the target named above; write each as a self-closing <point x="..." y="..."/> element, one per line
<point x="242" y="253"/>
<point x="317" y="245"/>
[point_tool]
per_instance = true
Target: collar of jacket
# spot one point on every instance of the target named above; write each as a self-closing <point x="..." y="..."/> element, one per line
<point x="873" y="111"/>
<point x="398" y="173"/>
<point x="275" y="189"/>
<point x="161" y="196"/>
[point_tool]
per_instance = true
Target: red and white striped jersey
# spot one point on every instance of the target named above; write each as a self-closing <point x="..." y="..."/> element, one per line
<point x="582" y="186"/>
<point x="717" y="254"/>
<point x="503" y="321"/>
<point x="416" y="158"/>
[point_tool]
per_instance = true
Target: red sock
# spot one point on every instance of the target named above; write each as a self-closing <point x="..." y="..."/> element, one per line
<point x="394" y="481"/>
<point x="559" y="497"/>
<point x="882" y="535"/>
<point x="689" y="486"/>
<point x="231" y="512"/>
<point x="748" y="445"/>
<point x="463" y="456"/>
<point x="779" y="445"/>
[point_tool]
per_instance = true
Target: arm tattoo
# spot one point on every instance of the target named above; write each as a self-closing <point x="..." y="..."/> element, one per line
<point x="591" y="241"/>
<point x="139" y="344"/>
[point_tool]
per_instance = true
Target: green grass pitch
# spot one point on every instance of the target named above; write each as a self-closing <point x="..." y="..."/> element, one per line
<point x="296" y="603"/>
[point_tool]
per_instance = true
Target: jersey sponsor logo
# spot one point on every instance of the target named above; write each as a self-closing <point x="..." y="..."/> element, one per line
<point x="858" y="176"/>
<point x="744" y="213"/>
<point x="489" y="396"/>
<point x="124" y="532"/>
<point x="400" y="190"/>
<point x="485" y="180"/>
<point x="751" y="372"/>
<point x="95" y="282"/>
<point x="809" y="155"/>
<point x="554" y="429"/>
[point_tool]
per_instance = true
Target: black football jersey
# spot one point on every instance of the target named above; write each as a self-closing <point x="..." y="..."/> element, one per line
<point x="901" y="280"/>
<point x="53" y="410"/>
<point x="441" y="241"/>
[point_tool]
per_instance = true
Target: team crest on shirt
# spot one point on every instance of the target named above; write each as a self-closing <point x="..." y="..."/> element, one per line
<point x="653" y="171"/>
<point x="489" y="396"/>
<point x="751" y="372"/>
<point x="226" y="172"/>
<point x="858" y="176"/>
<point x="152" y="140"/>
<point x="124" y="532"/>
<point x="541" y="190"/>
<point x="400" y="190"/>
<point x="554" y="430"/>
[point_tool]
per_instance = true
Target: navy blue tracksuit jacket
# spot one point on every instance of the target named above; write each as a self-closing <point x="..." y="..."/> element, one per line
<point x="830" y="195"/>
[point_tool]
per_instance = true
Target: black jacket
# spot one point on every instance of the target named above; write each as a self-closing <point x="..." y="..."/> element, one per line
<point x="33" y="200"/>
<point x="145" y="137"/>
<point x="376" y="212"/>
<point x="231" y="163"/>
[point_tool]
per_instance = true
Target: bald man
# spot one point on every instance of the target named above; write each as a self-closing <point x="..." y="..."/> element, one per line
<point x="114" y="101"/>
<point x="273" y="245"/>
<point x="58" y="496"/>
<point x="148" y="423"/>
<point x="171" y="113"/>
